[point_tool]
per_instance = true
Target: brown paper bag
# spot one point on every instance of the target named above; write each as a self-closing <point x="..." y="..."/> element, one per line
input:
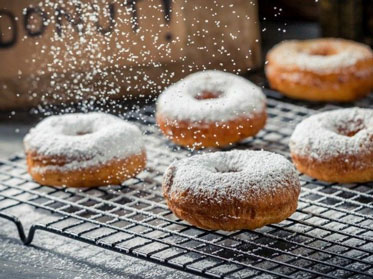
<point x="58" y="51"/>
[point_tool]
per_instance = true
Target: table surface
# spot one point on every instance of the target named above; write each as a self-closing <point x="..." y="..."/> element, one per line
<point x="52" y="256"/>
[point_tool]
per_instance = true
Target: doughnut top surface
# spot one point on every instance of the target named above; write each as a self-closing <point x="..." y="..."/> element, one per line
<point x="233" y="175"/>
<point x="92" y="138"/>
<point x="319" y="55"/>
<point x="211" y="96"/>
<point x="334" y="133"/>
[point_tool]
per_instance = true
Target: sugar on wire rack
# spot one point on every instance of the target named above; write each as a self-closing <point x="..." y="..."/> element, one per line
<point x="329" y="236"/>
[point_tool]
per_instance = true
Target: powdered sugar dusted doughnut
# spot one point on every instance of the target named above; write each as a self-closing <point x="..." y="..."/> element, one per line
<point x="335" y="146"/>
<point x="232" y="190"/>
<point x="211" y="108"/>
<point x="321" y="69"/>
<point x="82" y="150"/>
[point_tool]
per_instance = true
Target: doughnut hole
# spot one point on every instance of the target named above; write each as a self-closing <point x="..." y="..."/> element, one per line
<point x="350" y="128"/>
<point x="79" y="131"/>
<point x="82" y="133"/>
<point x="227" y="169"/>
<point x="206" y="95"/>
<point x="323" y="50"/>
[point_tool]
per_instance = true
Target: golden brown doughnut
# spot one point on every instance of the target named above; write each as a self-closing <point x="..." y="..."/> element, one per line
<point x="232" y="190"/>
<point x="210" y="109"/>
<point x="335" y="146"/>
<point x="114" y="172"/>
<point x="202" y="134"/>
<point x="321" y="69"/>
<point x="84" y="150"/>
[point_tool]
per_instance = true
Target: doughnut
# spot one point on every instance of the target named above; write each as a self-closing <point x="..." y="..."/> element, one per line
<point x="232" y="190"/>
<point x="321" y="69"/>
<point x="335" y="146"/>
<point x="211" y="109"/>
<point x="84" y="150"/>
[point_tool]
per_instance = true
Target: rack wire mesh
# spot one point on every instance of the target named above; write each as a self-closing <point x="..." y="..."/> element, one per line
<point x="329" y="236"/>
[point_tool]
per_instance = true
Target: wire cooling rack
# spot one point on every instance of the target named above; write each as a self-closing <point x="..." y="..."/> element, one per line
<point x="329" y="236"/>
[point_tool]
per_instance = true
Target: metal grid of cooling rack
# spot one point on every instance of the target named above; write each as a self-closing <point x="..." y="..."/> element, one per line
<point x="330" y="235"/>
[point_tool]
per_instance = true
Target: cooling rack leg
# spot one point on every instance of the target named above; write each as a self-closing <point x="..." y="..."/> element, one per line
<point x="30" y="236"/>
<point x="17" y="222"/>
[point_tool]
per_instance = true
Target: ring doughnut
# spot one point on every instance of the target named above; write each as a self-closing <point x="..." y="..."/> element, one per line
<point x="335" y="146"/>
<point x="232" y="190"/>
<point x="84" y="150"/>
<point x="210" y="109"/>
<point x="321" y="69"/>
